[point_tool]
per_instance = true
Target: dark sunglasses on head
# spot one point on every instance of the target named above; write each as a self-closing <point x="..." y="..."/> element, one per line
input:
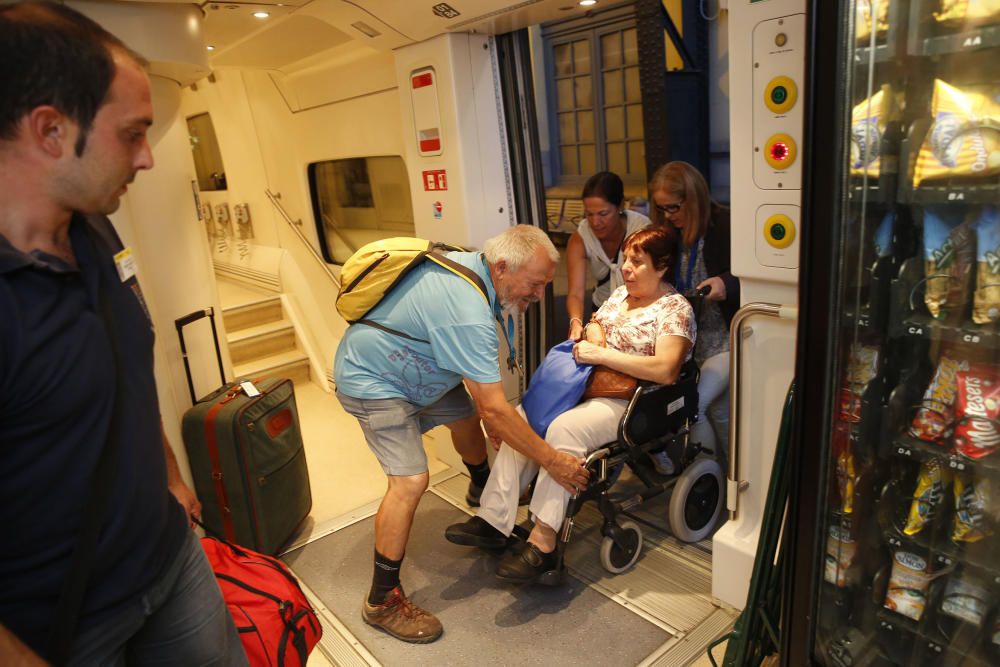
<point x="670" y="208"/>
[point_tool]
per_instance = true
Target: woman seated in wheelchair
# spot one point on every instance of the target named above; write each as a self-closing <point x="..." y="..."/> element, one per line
<point x="650" y="330"/>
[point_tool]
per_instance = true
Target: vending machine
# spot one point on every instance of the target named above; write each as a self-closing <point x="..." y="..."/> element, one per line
<point x="893" y="525"/>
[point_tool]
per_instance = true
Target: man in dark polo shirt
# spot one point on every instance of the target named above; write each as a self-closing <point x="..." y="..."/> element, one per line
<point x="76" y="368"/>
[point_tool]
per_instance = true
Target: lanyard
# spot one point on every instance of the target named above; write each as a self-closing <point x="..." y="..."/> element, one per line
<point x="683" y="286"/>
<point x="508" y="330"/>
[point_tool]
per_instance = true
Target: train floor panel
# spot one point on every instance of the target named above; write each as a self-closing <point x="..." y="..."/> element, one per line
<point x="659" y="613"/>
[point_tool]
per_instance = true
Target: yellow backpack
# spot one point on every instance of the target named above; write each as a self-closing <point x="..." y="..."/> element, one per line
<point x="374" y="269"/>
<point x="371" y="273"/>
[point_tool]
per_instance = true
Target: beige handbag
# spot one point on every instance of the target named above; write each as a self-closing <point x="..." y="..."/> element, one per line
<point x="605" y="382"/>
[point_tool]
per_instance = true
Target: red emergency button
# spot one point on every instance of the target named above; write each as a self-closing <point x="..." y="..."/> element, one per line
<point x="780" y="151"/>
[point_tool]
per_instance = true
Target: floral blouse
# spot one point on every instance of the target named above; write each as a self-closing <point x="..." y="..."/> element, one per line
<point x="636" y="332"/>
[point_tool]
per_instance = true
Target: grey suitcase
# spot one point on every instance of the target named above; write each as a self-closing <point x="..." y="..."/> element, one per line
<point x="247" y="459"/>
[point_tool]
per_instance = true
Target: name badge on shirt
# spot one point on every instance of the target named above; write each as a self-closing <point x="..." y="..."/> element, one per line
<point x="125" y="263"/>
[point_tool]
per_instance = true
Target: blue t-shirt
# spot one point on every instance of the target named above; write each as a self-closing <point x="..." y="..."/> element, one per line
<point x="57" y="393"/>
<point x="433" y="304"/>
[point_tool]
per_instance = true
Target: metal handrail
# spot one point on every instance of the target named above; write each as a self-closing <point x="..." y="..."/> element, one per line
<point x="735" y="486"/>
<point x="294" y="225"/>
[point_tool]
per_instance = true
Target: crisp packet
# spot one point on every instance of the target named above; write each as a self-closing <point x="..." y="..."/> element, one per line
<point x="840" y="552"/>
<point x="862" y="367"/>
<point x="949" y="253"/>
<point x="883" y="235"/>
<point x="972" y="500"/>
<point x="844" y="453"/>
<point x="964" y="139"/>
<point x="977" y="406"/>
<point x="966" y="598"/>
<point x="927" y="497"/>
<point x="868" y="122"/>
<point x="986" y="302"/>
<point x="863" y="18"/>
<point x="935" y="418"/>
<point x="908" y="584"/>
<point x="968" y="10"/>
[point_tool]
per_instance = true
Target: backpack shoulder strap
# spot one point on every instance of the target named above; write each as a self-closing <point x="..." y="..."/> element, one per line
<point x="435" y="255"/>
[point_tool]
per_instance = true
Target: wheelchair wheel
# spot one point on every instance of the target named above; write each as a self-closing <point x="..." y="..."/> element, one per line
<point x="697" y="501"/>
<point x="616" y="559"/>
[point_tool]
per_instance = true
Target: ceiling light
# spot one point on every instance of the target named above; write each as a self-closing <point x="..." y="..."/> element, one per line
<point x="587" y="3"/>
<point x="261" y="15"/>
<point x="210" y="47"/>
<point x="366" y="29"/>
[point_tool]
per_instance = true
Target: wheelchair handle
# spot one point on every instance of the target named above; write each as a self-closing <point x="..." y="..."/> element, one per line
<point x="698" y="293"/>
<point x="595" y="455"/>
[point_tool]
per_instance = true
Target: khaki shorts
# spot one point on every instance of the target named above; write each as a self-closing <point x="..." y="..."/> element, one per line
<point x="393" y="426"/>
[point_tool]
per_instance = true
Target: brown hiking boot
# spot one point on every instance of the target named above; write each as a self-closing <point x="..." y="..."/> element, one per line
<point x="402" y="619"/>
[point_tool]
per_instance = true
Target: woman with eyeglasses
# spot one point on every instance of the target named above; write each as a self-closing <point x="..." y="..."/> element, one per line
<point x="597" y="242"/>
<point x="681" y="201"/>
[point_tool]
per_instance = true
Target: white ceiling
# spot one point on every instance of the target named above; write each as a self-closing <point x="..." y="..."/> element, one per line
<point x="298" y="29"/>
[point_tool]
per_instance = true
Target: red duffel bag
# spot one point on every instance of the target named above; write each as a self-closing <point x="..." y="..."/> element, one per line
<point x="276" y="623"/>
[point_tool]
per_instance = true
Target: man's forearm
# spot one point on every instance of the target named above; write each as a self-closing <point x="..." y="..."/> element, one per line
<point x="505" y="422"/>
<point x="173" y="470"/>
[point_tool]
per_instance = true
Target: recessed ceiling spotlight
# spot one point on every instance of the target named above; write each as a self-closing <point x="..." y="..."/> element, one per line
<point x="261" y="15"/>
<point x="210" y="47"/>
<point x="587" y="3"/>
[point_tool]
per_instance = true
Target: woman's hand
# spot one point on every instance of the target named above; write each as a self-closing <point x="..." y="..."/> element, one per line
<point x="718" y="288"/>
<point x="586" y="352"/>
<point x="575" y="329"/>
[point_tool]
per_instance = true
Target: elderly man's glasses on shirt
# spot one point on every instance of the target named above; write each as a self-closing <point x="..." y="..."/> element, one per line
<point x="670" y="208"/>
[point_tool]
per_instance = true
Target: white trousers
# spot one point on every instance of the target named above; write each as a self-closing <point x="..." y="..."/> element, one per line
<point x="578" y="431"/>
<point x="712" y="427"/>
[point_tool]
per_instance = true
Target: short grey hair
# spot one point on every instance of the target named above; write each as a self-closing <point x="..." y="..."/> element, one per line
<point x="516" y="245"/>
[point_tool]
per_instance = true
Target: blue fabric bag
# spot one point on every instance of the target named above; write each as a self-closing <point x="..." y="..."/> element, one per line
<point x="556" y="386"/>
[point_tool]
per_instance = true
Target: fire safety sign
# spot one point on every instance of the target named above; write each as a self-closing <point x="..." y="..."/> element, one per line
<point x="435" y="179"/>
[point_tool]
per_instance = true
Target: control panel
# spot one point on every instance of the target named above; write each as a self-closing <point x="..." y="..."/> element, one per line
<point x="778" y="56"/>
<point x="778" y="63"/>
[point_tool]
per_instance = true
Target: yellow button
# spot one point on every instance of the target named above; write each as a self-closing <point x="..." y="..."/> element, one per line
<point x="781" y="94"/>
<point x="780" y="151"/>
<point x="779" y="231"/>
<point x="781" y="39"/>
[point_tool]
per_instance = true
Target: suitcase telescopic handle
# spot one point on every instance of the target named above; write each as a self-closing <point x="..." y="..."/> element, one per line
<point x="182" y="322"/>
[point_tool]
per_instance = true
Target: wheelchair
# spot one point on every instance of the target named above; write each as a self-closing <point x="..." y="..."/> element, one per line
<point x="658" y="417"/>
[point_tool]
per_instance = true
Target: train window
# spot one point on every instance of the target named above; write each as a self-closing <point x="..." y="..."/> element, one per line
<point x="206" y="153"/>
<point x="595" y="108"/>
<point x="359" y="200"/>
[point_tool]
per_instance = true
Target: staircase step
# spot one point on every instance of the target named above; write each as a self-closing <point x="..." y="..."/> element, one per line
<point x="261" y="341"/>
<point x="291" y="364"/>
<point x="252" y="314"/>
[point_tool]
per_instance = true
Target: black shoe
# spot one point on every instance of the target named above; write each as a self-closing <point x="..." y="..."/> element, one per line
<point x="527" y="566"/>
<point x="473" y="495"/>
<point x="476" y="532"/>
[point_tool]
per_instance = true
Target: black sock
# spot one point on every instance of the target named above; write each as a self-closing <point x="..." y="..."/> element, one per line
<point x="386" y="578"/>
<point x="479" y="472"/>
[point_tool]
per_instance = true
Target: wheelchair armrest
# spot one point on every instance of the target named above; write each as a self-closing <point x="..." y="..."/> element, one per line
<point x="660" y="409"/>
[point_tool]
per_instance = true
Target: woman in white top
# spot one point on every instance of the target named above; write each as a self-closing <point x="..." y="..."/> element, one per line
<point x="598" y="242"/>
